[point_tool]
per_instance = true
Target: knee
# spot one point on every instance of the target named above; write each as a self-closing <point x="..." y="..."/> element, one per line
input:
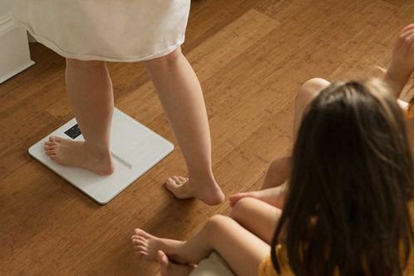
<point x="280" y="165"/>
<point x="164" y="61"/>
<point x="75" y="63"/>
<point x="311" y="87"/>
<point x="215" y="220"/>
<point x="215" y="223"/>
<point x="241" y="207"/>
<point x="315" y="83"/>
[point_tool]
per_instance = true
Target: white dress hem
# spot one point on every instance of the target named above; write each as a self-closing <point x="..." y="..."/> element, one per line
<point x="56" y="48"/>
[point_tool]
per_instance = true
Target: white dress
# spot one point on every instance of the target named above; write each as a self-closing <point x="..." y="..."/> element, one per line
<point x="108" y="30"/>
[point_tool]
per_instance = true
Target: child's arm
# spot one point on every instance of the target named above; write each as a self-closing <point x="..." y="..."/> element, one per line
<point x="402" y="64"/>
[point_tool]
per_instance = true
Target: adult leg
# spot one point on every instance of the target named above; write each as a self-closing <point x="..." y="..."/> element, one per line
<point x="242" y="250"/>
<point x="257" y="217"/>
<point x="182" y="99"/>
<point x="90" y="92"/>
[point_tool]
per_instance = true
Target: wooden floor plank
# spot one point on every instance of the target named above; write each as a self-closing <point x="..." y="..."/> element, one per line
<point x="250" y="56"/>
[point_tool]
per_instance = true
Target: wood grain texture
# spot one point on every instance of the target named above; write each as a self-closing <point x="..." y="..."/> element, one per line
<point x="250" y="57"/>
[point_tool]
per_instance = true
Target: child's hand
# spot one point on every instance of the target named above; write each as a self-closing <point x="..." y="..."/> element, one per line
<point x="402" y="64"/>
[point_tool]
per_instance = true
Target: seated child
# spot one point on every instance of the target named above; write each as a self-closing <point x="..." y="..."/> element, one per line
<point x="345" y="210"/>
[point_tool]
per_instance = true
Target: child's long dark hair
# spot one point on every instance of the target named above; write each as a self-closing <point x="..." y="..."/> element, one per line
<point x="351" y="179"/>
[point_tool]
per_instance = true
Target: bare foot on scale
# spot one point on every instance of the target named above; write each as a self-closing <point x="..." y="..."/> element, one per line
<point x="75" y="154"/>
<point x="183" y="188"/>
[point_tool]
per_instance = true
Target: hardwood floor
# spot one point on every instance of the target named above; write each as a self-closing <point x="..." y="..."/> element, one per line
<point x="250" y="57"/>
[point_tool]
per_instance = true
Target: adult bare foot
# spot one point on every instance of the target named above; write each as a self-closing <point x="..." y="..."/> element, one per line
<point x="148" y="245"/>
<point x="183" y="187"/>
<point x="75" y="154"/>
<point x="168" y="268"/>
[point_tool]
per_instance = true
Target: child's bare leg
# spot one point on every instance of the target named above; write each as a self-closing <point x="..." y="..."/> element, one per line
<point x="280" y="168"/>
<point x="248" y="212"/>
<point x="402" y="64"/>
<point x="274" y="196"/>
<point x="182" y="98"/>
<point x="305" y="95"/>
<point x="277" y="173"/>
<point x="90" y="91"/>
<point x="242" y="250"/>
<point x="167" y="268"/>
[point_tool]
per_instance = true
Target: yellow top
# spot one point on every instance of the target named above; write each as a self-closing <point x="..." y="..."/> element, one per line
<point x="267" y="269"/>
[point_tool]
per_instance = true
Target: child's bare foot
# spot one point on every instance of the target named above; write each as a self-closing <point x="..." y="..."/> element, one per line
<point x="168" y="268"/>
<point x="75" y="154"/>
<point x="183" y="187"/>
<point x="148" y="245"/>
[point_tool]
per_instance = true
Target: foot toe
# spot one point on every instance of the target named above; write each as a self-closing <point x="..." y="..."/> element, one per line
<point x="142" y="234"/>
<point x="176" y="182"/>
<point x="163" y="261"/>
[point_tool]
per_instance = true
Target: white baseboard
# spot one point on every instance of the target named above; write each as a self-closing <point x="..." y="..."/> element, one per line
<point x="14" y="48"/>
<point x="16" y="71"/>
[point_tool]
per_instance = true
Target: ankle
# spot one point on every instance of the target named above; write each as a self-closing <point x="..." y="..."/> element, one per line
<point x="205" y="178"/>
<point x="102" y="151"/>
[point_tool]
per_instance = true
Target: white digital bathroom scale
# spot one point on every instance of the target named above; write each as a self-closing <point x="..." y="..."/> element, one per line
<point x="135" y="149"/>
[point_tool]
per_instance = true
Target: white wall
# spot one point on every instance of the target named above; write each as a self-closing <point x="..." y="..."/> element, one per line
<point x="14" y="47"/>
<point x="5" y="7"/>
